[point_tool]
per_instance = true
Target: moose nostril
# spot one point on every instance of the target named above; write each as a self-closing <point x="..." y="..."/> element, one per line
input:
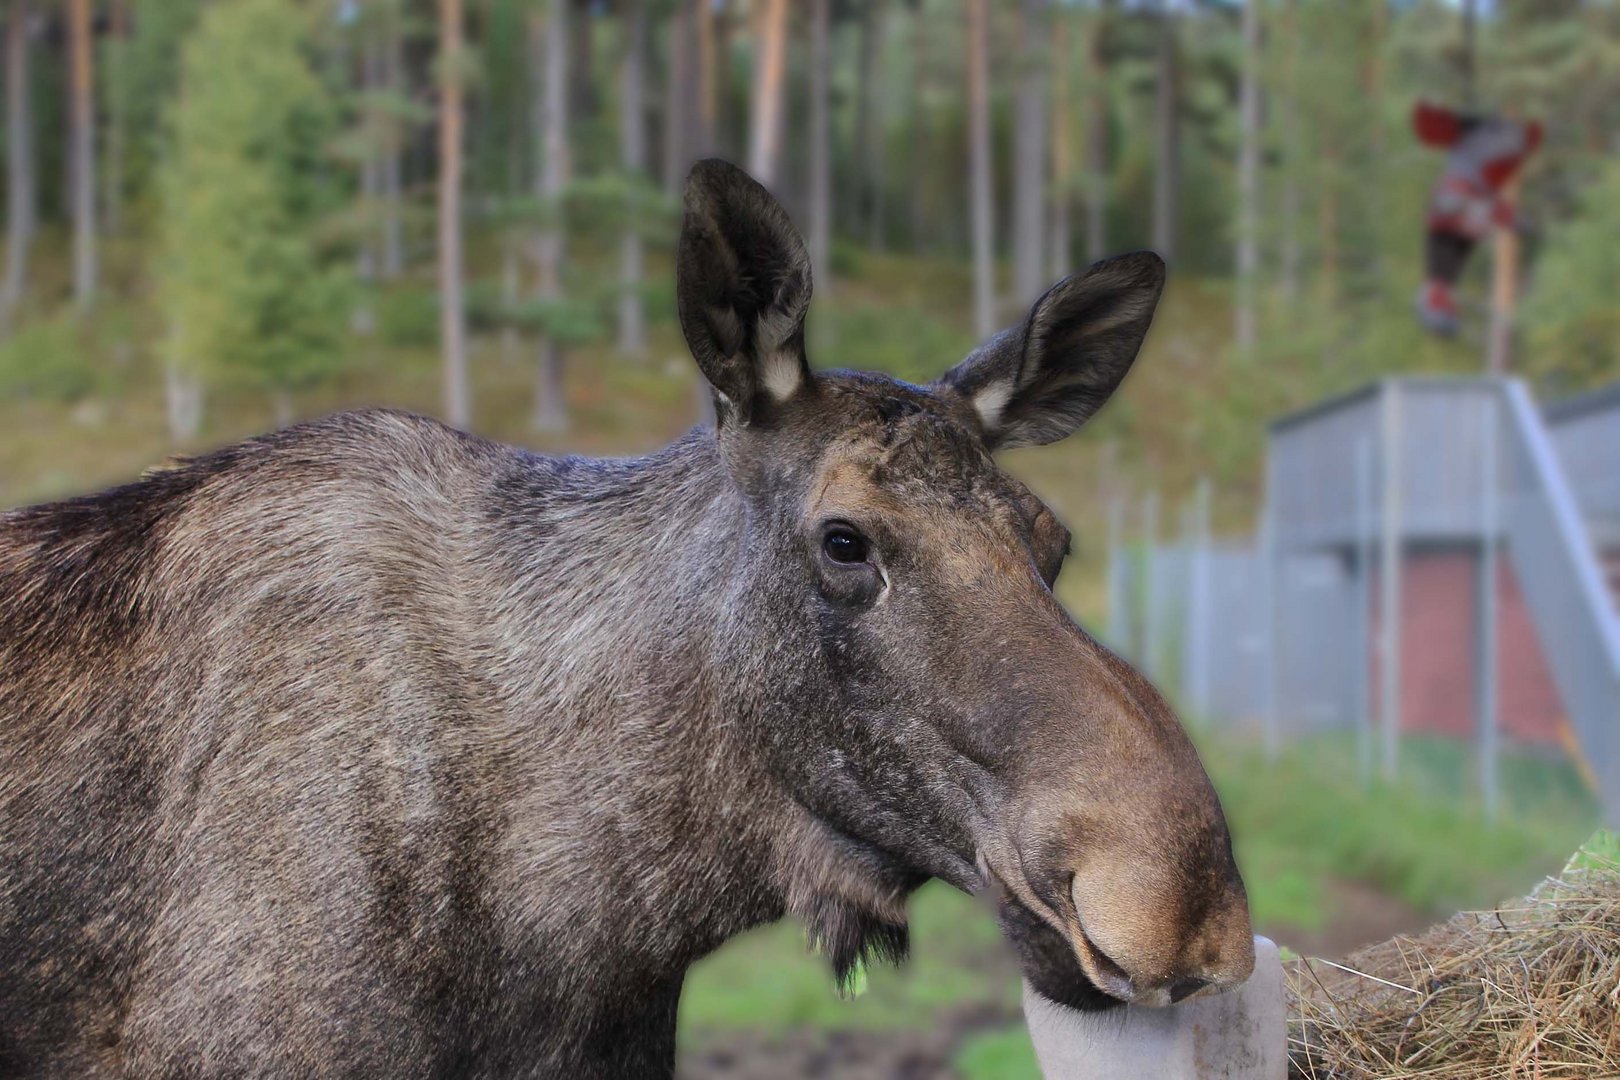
<point x="1186" y="988"/>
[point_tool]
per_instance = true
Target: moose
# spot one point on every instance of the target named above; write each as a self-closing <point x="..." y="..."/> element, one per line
<point x="373" y="748"/>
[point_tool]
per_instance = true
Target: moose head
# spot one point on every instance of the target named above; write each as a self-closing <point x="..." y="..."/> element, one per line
<point x="917" y="685"/>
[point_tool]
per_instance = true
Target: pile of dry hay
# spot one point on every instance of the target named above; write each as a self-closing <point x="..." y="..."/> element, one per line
<point x="1530" y="990"/>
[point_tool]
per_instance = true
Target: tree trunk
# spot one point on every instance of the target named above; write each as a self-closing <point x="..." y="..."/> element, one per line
<point x="549" y="35"/>
<point x="452" y="316"/>
<point x="1328" y="216"/>
<point x="391" y="179"/>
<point x="366" y="257"/>
<point x="1097" y="139"/>
<point x="633" y="151"/>
<point x="1290" y="256"/>
<point x="1029" y="155"/>
<point x="183" y="396"/>
<point x="678" y="96"/>
<point x="21" y="194"/>
<point x="709" y="56"/>
<point x="921" y="202"/>
<point x="281" y="407"/>
<point x="112" y="173"/>
<point x="770" y="58"/>
<point x="511" y="288"/>
<point x="1061" y="181"/>
<point x="1373" y="79"/>
<point x="820" y="141"/>
<point x="1166" y="123"/>
<point x="980" y="195"/>
<point x="582" y="97"/>
<point x="870" y="136"/>
<point x="1247" y="260"/>
<point x="83" y="127"/>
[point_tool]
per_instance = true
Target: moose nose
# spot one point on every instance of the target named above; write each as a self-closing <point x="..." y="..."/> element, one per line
<point x="1186" y="988"/>
<point x="1153" y="949"/>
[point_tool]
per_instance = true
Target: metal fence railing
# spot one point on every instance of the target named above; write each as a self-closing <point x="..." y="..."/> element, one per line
<point x="1282" y="633"/>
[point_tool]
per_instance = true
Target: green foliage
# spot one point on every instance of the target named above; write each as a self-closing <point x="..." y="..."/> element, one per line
<point x="48" y="360"/>
<point x="610" y="202"/>
<point x="568" y="320"/>
<point x="1572" y="314"/>
<point x="910" y="343"/>
<point x="408" y="317"/>
<point x="249" y="295"/>
<point x="847" y="259"/>
<point x="137" y="82"/>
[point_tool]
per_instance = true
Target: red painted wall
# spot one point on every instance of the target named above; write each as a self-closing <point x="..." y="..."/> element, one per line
<point x="1437" y="652"/>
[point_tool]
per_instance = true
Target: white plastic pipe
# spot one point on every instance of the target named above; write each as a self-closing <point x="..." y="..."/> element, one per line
<point x="1239" y="1035"/>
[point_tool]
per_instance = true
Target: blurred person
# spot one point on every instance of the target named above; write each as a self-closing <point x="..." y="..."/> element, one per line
<point x="1483" y="153"/>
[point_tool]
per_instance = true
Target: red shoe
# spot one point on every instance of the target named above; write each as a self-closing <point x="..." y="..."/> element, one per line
<point x="1437" y="308"/>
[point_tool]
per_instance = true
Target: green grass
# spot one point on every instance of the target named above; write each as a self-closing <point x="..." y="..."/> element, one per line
<point x="768" y="981"/>
<point x="998" y="1055"/>
<point x="1306" y="820"/>
<point x="1600" y="852"/>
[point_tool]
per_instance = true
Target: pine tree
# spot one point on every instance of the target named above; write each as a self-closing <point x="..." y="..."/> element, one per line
<point x="82" y="125"/>
<point x="633" y="157"/>
<point x="21" y="190"/>
<point x="549" y="44"/>
<point x="1167" y="135"/>
<point x="1247" y="255"/>
<point x="1030" y="155"/>
<point x="981" y="197"/>
<point x="139" y="89"/>
<point x="249" y="296"/>
<point x="1572" y="319"/>
<point x="770" y="63"/>
<point x="820" y="185"/>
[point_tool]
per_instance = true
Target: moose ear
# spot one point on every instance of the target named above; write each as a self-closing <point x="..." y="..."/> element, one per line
<point x="742" y="284"/>
<point x="1040" y="380"/>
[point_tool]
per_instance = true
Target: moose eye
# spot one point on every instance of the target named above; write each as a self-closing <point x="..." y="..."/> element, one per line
<point x="844" y="545"/>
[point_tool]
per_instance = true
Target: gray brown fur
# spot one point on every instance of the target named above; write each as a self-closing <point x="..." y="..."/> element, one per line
<point x="373" y="748"/>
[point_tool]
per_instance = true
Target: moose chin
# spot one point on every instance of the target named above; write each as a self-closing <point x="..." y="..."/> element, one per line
<point x="370" y="747"/>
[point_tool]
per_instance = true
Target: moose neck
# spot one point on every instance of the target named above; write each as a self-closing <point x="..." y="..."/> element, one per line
<point x="630" y="668"/>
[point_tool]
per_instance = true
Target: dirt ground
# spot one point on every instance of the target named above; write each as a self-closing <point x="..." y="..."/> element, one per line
<point x="1360" y="915"/>
<point x="846" y="1055"/>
